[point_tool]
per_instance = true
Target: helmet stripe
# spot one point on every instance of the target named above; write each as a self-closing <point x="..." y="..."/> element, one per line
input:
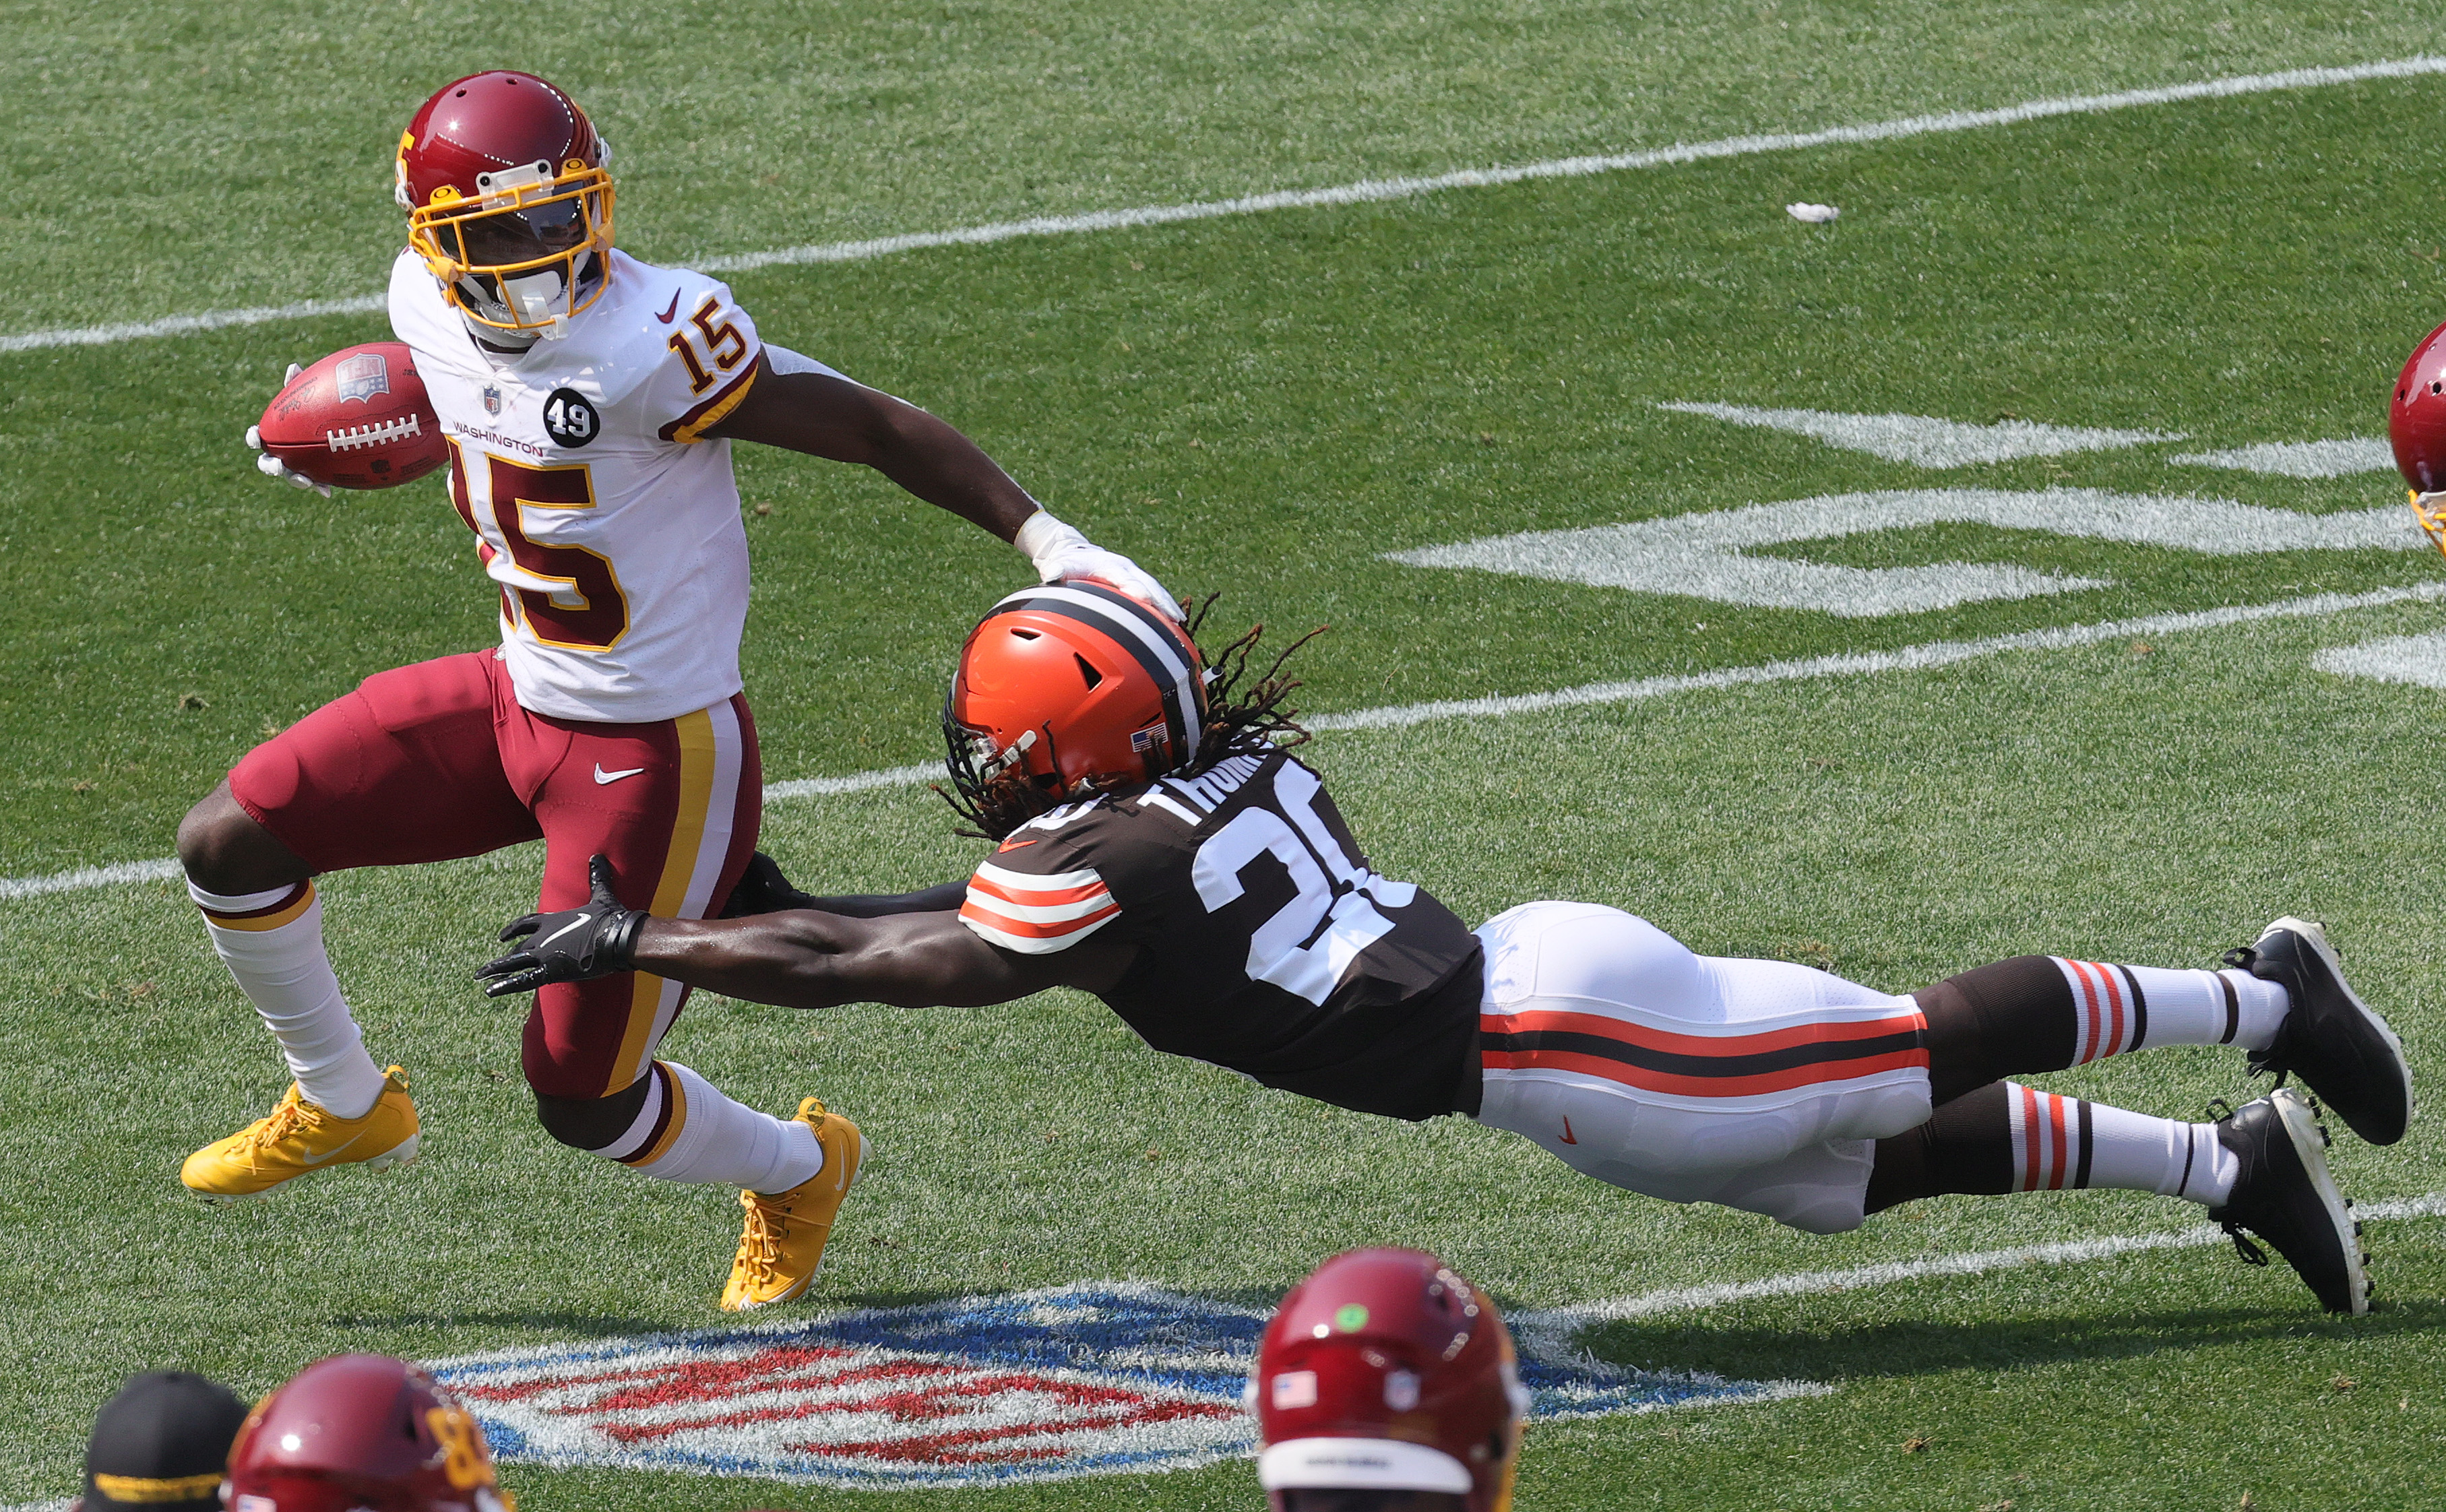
<point x="1128" y="622"/>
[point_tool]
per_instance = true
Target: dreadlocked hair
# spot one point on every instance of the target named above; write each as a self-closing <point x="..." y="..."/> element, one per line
<point x="1244" y="715"/>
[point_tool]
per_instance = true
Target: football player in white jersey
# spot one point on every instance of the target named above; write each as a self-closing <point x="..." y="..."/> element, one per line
<point x="1159" y="849"/>
<point x="589" y="400"/>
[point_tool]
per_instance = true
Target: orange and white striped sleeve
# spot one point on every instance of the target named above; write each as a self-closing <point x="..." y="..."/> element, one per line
<point x="1037" y="914"/>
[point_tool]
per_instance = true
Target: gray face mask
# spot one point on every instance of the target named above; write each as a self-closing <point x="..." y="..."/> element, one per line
<point x="540" y="300"/>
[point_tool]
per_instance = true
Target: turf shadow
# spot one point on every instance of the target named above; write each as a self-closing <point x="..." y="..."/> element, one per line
<point x="1925" y="1347"/>
<point x="554" y="1324"/>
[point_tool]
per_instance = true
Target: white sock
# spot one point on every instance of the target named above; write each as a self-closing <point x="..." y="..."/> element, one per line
<point x="273" y="943"/>
<point x="2121" y="1009"/>
<point x="708" y="1138"/>
<point x="2062" y="1142"/>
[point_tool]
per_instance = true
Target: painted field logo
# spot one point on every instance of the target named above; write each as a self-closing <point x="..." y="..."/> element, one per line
<point x="1080" y="1380"/>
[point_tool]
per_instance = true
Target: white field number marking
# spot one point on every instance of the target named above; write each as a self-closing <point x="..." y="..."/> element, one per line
<point x="2419" y="660"/>
<point x="2340" y="457"/>
<point x="1926" y="441"/>
<point x="1701" y="554"/>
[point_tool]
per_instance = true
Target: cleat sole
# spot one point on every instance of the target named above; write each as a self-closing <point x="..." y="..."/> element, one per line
<point x="403" y="1153"/>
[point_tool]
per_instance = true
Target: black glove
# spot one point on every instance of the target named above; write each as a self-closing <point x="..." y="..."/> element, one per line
<point x="578" y="945"/>
<point x="763" y="889"/>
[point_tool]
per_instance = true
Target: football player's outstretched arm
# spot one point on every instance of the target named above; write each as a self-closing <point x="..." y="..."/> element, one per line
<point x="796" y="958"/>
<point x="825" y="415"/>
<point x="807" y="959"/>
<point x="763" y="889"/>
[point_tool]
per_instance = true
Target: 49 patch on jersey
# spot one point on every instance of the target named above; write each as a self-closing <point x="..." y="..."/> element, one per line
<point x="1090" y="1379"/>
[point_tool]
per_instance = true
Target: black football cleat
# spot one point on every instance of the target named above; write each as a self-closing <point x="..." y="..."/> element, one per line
<point x="2331" y="1039"/>
<point x="2285" y="1196"/>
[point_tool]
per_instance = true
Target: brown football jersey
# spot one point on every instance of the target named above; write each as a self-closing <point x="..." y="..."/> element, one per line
<point x="1266" y="943"/>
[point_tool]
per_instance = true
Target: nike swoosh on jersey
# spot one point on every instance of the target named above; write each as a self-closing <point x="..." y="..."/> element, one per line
<point x="1013" y="845"/>
<point x="666" y="317"/>
<point x="604" y="779"/>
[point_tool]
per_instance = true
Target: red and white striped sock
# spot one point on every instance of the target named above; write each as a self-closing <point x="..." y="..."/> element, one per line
<point x="2117" y="1009"/>
<point x="2063" y="1142"/>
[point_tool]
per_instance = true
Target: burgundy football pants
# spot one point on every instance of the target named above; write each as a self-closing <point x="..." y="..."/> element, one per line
<point x="437" y="760"/>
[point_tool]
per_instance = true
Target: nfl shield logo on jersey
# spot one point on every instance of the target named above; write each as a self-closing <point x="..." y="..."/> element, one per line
<point x="1090" y="1379"/>
<point x="362" y="376"/>
<point x="492" y="399"/>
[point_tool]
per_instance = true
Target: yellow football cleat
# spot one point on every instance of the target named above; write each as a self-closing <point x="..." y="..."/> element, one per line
<point x="301" y="1137"/>
<point x="783" y="1240"/>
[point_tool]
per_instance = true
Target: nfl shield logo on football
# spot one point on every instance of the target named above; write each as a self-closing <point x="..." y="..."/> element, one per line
<point x="492" y="399"/>
<point x="362" y="376"/>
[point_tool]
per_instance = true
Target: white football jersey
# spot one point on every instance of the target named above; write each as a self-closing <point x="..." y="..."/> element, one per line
<point x="612" y="528"/>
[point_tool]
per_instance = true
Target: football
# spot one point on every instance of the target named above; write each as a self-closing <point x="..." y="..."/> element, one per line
<point x="357" y="419"/>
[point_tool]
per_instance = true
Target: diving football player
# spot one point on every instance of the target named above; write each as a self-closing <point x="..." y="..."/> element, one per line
<point x="1160" y="847"/>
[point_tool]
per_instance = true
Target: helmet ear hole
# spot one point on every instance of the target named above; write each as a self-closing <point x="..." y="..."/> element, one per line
<point x="1088" y="670"/>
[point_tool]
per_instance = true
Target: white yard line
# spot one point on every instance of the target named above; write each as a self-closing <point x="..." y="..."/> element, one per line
<point x="85" y="877"/>
<point x="1365" y="191"/>
<point x="1845" y="664"/>
<point x="1552" y="1329"/>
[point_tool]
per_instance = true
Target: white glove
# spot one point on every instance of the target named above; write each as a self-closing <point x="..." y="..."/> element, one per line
<point x="271" y="466"/>
<point x="1062" y="555"/>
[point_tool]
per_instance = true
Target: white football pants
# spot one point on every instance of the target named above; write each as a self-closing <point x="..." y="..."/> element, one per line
<point x="1757" y="1084"/>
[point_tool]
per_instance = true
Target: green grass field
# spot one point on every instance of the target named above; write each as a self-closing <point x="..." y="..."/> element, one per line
<point x="1265" y="405"/>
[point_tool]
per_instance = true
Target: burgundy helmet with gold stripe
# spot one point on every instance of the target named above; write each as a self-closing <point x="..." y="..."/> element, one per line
<point x="362" y="1433"/>
<point x="1074" y="682"/>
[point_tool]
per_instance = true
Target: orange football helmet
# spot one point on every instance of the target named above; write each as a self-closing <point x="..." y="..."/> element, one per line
<point x="1073" y="683"/>
<point x="508" y="194"/>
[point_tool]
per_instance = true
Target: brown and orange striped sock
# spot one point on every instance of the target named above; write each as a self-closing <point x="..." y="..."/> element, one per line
<point x="2005" y="1137"/>
<point x="2045" y="1012"/>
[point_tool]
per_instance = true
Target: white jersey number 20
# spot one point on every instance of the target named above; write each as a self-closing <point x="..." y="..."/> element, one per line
<point x="1309" y="942"/>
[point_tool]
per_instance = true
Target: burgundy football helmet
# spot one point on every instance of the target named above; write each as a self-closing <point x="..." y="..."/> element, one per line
<point x="2415" y="422"/>
<point x="508" y="194"/>
<point x="1383" y="1370"/>
<point x="362" y="1431"/>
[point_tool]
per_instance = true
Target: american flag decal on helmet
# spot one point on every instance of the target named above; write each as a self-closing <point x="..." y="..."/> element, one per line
<point x="1095" y="1378"/>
